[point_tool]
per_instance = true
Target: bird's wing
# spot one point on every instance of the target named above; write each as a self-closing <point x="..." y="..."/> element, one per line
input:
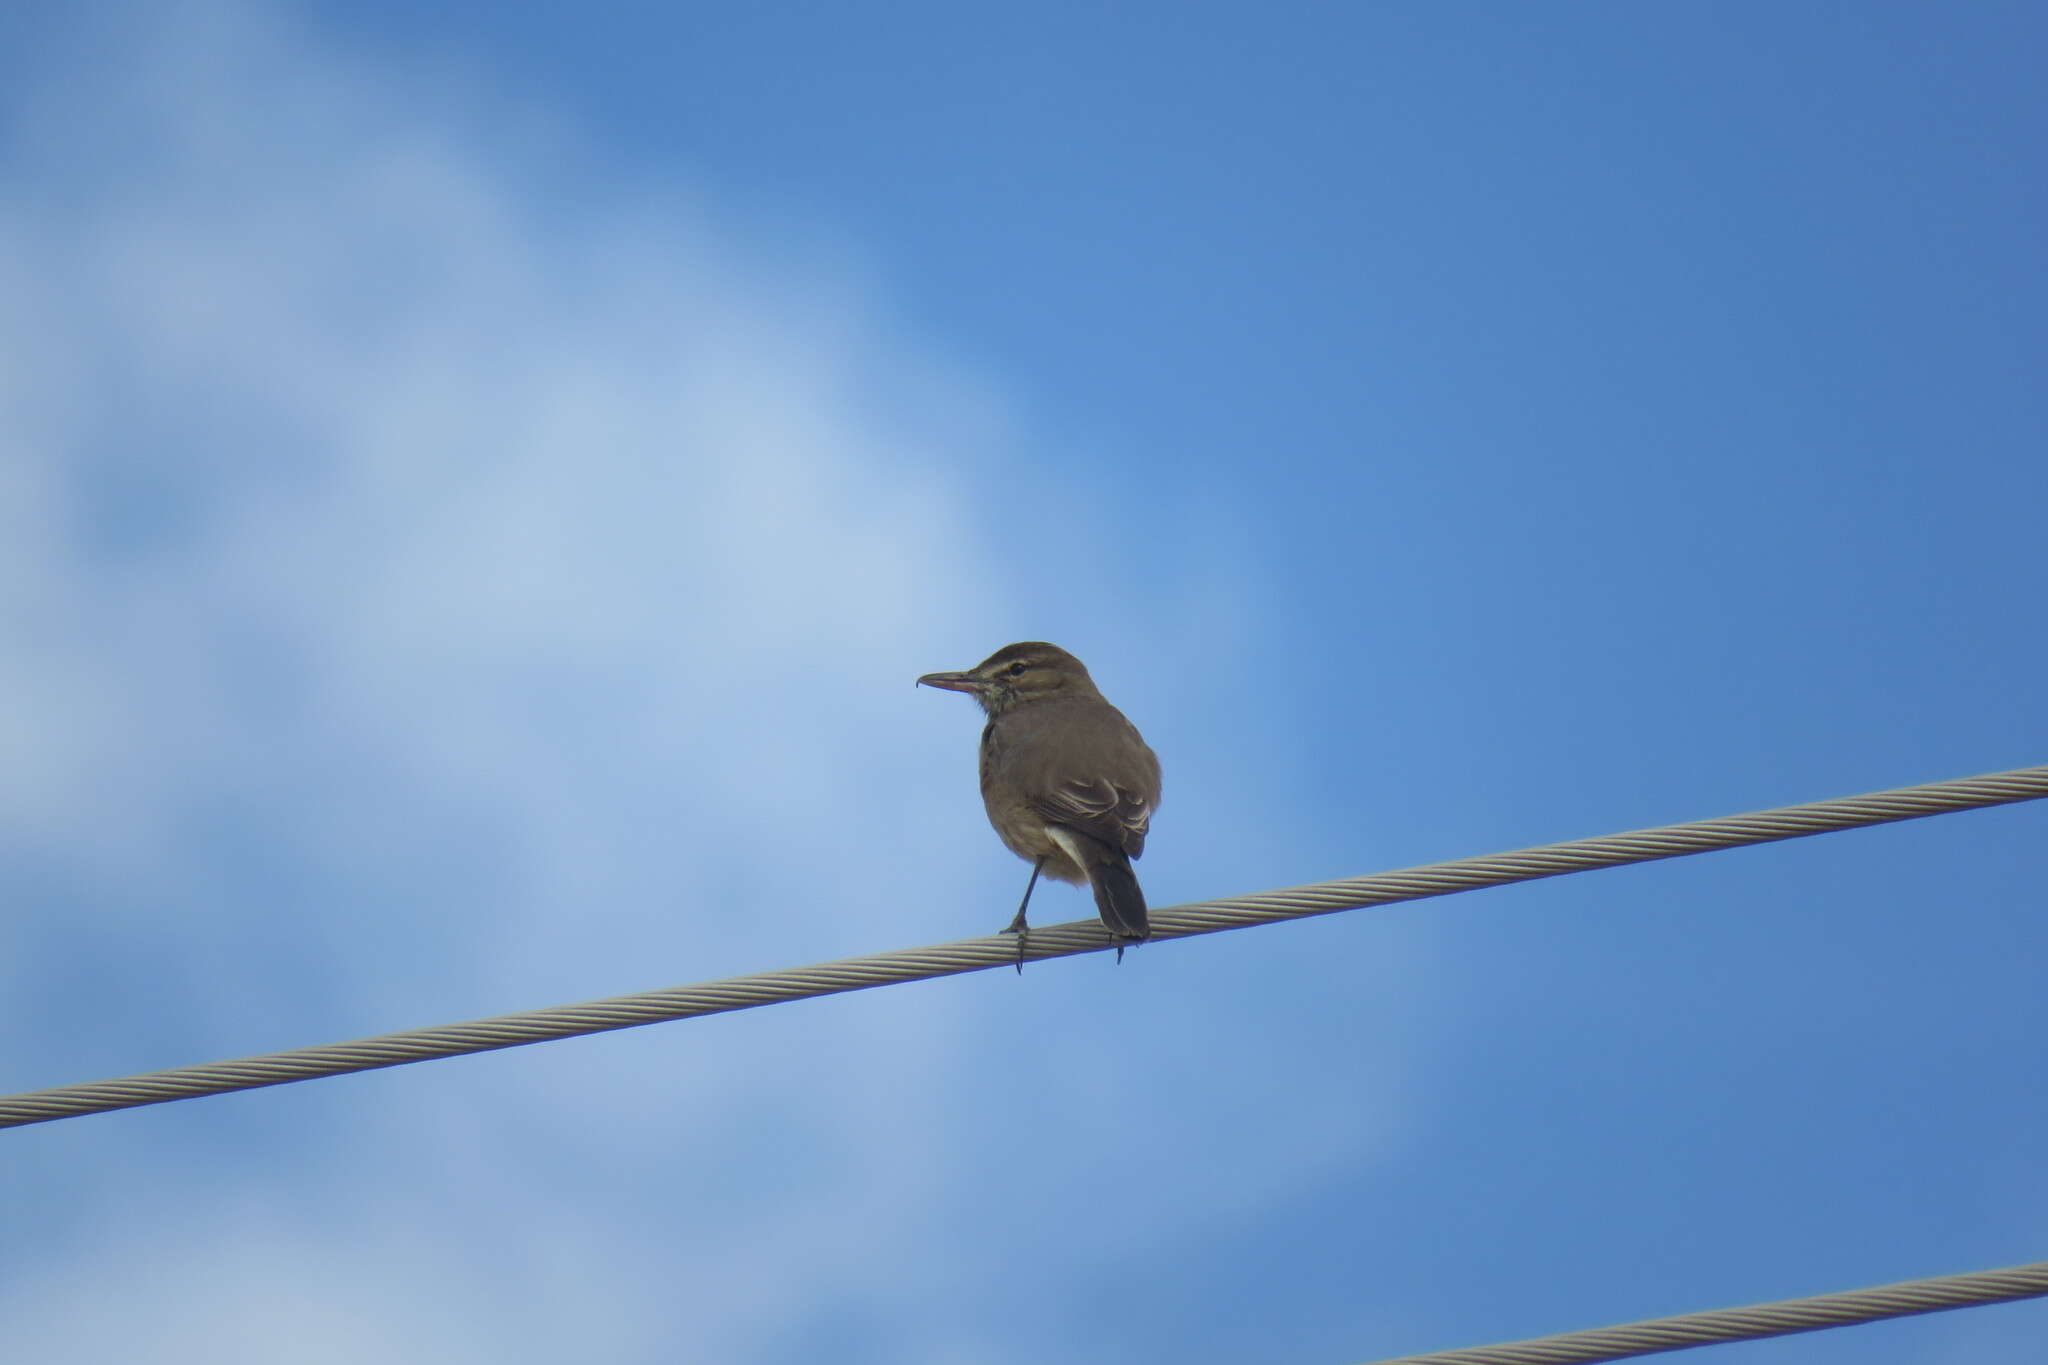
<point x="1098" y="807"/>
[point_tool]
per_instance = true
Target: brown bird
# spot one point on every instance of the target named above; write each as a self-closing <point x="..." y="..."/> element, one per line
<point x="1069" y="784"/>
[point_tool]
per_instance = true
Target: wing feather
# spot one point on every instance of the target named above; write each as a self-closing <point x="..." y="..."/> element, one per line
<point x="1116" y="815"/>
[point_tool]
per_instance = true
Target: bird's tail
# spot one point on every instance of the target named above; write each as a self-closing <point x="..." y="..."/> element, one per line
<point x="1118" y="897"/>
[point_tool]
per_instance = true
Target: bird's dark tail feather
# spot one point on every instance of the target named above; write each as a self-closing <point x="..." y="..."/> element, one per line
<point x="1118" y="897"/>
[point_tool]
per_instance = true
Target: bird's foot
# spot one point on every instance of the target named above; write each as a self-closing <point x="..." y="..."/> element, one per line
<point x="1022" y="930"/>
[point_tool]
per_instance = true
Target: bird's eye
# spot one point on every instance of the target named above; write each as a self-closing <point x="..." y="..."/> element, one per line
<point x="1018" y="669"/>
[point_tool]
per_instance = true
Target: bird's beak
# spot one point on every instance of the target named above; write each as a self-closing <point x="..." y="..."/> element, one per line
<point x="952" y="682"/>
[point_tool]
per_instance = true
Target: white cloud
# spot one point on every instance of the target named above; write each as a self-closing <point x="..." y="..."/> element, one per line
<point x="485" y="492"/>
<point x="372" y="519"/>
<point x="434" y="586"/>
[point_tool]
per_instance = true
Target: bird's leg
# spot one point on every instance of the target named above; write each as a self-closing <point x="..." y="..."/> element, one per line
<point x="1017" y="925"/>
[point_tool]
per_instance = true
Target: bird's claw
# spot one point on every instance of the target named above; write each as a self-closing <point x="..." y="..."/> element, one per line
<point x="1022" y="930"/>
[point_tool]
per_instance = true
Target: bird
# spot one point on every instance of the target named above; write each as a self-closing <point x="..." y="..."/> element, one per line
<point x="1069" y="784"/>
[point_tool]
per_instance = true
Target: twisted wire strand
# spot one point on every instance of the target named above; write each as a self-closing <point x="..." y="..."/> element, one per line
<point x="982" y="954"/>
<point x="1782" y="1318"/>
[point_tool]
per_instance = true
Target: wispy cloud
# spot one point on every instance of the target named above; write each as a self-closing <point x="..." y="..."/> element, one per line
<point x="433" y="584"/>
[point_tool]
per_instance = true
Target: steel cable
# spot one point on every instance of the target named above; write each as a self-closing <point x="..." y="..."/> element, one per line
<point x="981" y="954"/>
<point x="1782" y="1318"/>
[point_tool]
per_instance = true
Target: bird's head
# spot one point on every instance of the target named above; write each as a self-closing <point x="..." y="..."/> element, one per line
<point x="1017" y="674"/>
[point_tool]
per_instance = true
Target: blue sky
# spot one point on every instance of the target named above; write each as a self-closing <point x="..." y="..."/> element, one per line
<point x="478" y="487"/>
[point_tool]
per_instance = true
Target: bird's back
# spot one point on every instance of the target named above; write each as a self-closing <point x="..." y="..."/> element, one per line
<point x="1072" y="761"/>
